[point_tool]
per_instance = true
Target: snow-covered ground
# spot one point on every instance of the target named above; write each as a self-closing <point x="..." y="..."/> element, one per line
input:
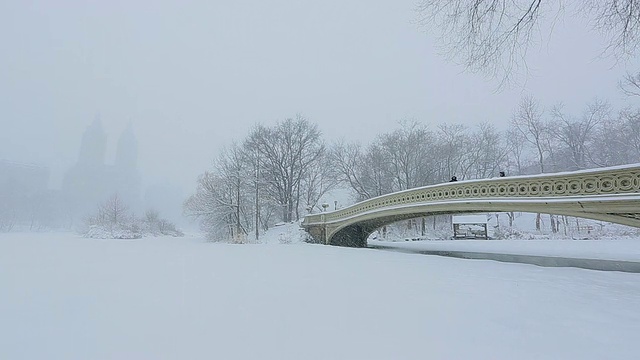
<point x="603" y="241"/>
<point x="627" y="249"/>
<point x="66" y="297"/>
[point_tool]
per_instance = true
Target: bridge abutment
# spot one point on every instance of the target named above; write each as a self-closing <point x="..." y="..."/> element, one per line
<point x="318" y="234"/>
<point x="351" y="236"/>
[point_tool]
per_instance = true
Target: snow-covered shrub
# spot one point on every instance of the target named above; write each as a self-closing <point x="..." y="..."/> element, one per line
<point x="152" y="224"/>
<point x="306" y="237"/>
<point x="292" y="233"/>
<point x="285" y="238"/>
<point x="114" y="221"/>
<point x="504" y="233"/>
<point x="239" y="238"/>
<point x="100" y="232"/>
<point x="7" y="219"/>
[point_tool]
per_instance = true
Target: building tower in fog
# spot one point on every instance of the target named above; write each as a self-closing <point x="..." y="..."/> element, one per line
<point x="93" y="145"/>
<point x="125" y="171"/>
<point x="91" y="181"/>
<point x="127" y="151"/>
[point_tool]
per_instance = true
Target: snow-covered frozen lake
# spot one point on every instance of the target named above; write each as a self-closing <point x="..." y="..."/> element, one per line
<point x="627" y="249"/>
<point x="65" y="297"/>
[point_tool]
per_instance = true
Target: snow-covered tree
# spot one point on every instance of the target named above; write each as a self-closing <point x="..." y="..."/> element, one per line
<point x="289" y="151"/>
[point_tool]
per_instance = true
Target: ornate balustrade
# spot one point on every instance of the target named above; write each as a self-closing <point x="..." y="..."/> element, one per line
<point x="588" y="183"/>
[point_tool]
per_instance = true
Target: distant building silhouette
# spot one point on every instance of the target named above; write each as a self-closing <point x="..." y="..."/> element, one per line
<point x="22" y="179"/>
<point x="125" y="169"/>
<point x="127" y="151"/>
<point x="93" y="146"/>
<point x="24" y="196"/>
<point x="91" y="181"/>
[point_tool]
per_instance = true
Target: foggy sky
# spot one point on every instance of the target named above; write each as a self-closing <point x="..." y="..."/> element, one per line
<point x="193" y="75"/>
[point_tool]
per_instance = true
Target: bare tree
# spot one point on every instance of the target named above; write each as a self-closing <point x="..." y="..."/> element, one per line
<point x="490" y="36"/>
<point x="489" y="152"/>
<point x="619" y="21"/>
<point x="318" y="180"/>
<point x="413" y="156"/>
<point x="527" y="121"/>
<point x="630" y="84"/>
<point x="348" y="159"/>
<point x="516" y="144"/>
<point x="254" y="166"/>
<point x="288" y="151"/>
<point x="232" y="167"/>
<point x="610" y="144"/>
<point x="630" y="121"/>
<point x="376" y="170"/>
<point x="575" y="134"/>
<point x="280" y="168"/>
<point x="405" y="149"/>
<point x="450" y="150"/>
<point x="493" y="36"/>
<point x="114" y="211"/>
<point x="222" y="201"/>
<point x="211" y="205"/>
<point x="366" y="171"/>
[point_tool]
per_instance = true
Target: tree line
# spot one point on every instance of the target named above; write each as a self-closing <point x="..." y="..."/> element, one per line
<point x="279" y="173"/>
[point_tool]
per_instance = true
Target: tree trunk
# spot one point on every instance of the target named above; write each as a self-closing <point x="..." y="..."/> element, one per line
<point x="284" y="212"/>
<point x="257" y="205"/>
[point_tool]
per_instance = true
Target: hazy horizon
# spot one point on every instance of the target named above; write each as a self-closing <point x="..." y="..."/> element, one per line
<point x="193" y="77"/>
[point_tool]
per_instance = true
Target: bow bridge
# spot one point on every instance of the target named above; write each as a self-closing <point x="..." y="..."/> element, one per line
<point x="608" y="194"/>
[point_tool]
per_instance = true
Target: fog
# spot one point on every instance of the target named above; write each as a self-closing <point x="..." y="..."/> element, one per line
<point x="191" y="76"/>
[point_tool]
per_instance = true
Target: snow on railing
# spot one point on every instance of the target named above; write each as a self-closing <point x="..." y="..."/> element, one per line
<point x="603" y="181"/>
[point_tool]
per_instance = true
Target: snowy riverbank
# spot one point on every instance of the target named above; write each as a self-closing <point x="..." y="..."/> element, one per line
<point x="627" y="249"/>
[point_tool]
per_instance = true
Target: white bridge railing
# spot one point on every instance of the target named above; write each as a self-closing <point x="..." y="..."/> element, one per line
<point x="586" y="183"/>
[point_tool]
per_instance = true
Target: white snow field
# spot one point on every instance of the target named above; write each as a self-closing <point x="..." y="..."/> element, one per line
<point x="66" y="297"/>
<point x="627" y="249"/>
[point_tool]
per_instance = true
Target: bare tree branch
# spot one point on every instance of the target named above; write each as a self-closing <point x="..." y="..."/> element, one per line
<point x="492" y="37"/>
<point x="630" y="84"/>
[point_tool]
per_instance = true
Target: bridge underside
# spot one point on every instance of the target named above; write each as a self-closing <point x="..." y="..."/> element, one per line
<point x="356" y="235"/>
<point x="353" y="232"/>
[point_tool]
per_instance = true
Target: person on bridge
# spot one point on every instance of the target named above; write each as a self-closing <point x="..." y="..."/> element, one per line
<point x="453" y="178"/>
